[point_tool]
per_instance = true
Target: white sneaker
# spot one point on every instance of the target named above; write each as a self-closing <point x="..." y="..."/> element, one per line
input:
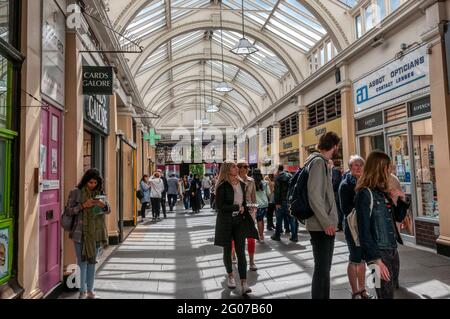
<point x="231" y="282"/>
<point x="246" y="289"/>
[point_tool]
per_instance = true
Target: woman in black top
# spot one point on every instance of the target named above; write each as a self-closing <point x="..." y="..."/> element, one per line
<point x="234" y="222"/>
<point x="196" y="194"/>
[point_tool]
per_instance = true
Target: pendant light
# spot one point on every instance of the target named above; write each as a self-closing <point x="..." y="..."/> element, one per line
<point x="205" y="120"/>
<point x="223" y="86"/>
<point x="244" y="47"/>
<point x="212" y="108"/>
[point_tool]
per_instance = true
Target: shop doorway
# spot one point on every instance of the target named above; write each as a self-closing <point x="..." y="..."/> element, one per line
<point x="50" y="199"/>
<point x="398" y="150"/>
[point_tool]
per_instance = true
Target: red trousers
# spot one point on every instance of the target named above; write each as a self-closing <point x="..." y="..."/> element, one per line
<point x="251" y="245"/>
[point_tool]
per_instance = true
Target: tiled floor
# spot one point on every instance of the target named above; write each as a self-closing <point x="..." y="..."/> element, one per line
<point x="176" y="258"/>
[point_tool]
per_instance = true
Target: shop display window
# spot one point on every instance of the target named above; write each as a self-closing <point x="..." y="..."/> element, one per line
<point x="425" y="169"/>
<point x="5" y="92"/>
<point x="4" y="21"/>
<point x="2" y="177"/>
<point x="371" y="143"/>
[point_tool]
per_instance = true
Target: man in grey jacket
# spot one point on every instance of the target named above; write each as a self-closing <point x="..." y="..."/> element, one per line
<point x="322" y="226"/>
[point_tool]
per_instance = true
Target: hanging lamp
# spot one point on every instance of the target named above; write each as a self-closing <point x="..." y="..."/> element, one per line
<point x="244" y="47"/>
<point x="212" y="108"/>
<point x="223" y="86"/>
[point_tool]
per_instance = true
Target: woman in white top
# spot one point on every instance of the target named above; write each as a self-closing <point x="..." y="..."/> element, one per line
<point x="157" y="188"/>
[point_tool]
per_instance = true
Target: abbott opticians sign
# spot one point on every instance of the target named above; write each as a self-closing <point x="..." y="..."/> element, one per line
<point x="395" y="82"/>
<point x="97" y="80"/>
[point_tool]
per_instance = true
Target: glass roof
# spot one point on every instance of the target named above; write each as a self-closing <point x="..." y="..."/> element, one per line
<point x="350" y="3"/>
<point x="288" y="20"/>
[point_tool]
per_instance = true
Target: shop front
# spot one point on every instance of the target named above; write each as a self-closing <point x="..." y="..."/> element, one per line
<point x="393" y="114"/>
<point x="96" y="130"/>
<point x="312" y="137"/>
<point x="10" y="67"/>
<point x="289" y="153"/>
<point x="51" y="144"/>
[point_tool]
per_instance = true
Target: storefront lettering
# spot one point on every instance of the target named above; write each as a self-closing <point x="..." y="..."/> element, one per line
<point x="320" y="131"/>
<point x="287" y="145"/>
<point x="396" y="80"/>
<point x="97" y="111"/>
<point x="97" y="80"/>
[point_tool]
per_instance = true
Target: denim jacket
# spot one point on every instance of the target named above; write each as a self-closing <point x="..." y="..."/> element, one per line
<point x="379" y="231"/>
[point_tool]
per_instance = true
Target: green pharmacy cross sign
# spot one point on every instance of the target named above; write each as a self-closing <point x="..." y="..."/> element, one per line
<point x="152" y="137"/>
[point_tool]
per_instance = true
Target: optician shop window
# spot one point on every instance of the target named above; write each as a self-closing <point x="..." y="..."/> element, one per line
<point x="425" y="169"/>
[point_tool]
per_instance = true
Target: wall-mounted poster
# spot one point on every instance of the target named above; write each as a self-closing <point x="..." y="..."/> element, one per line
<point x="5" y="246"/>
<point x="54" y="161"/>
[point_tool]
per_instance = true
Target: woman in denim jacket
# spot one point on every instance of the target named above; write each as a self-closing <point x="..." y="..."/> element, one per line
<point x="378" y="234"/>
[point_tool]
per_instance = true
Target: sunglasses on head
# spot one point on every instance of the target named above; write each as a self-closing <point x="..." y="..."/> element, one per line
<point x="244" y="166"/>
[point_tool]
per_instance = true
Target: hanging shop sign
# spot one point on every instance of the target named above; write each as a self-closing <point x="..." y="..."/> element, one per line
<point x="370" y="121"/>
<point x="422" y="106"/>
<point x="53" y="52"/>
<point x="312" y="136"/>
<point x="96" y="112"/>
<point x="98" y="80"/>
<point x="394" y="82"/>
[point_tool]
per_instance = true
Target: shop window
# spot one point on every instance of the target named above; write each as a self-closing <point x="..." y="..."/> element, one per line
<point x="394" y="4"/>
<point x="289" y="126"/>
<point x="381" y="10"/>
<point x="368" y="15"/>
<point x="396" y="113"/>
<point x="324" y="110"/>
<point x="329" y="51"/>
<point x="4" y="21"/>
<point x="2" y="178"/>
<point x="371" y="143"/>
<point x="322" y="56"/>
<point x="427" y="201"/>
<point x="5" y="92"/>
<point x="358" y="26"/>
<point x="87" y="151"/>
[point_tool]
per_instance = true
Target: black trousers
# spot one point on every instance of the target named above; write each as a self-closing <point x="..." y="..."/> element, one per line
<point x="163" y="204"/>
<point x="239" y="246"/>
<point x="213" y="201"/>
<point x="144" y="207"/>
<point x="156" y="207"/>
<point x="172" y="201"/>
<point x="270" y="213"/>
<point x="323" y="248"/>
<point x="392" y="261"/>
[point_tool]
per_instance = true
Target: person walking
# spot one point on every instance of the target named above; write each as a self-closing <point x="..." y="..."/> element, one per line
<point x="336" y="180"/>
<point x="271" y="208"/>
<point x="157" y="188"/>
<point x="172" y="191"/>
<point x="88" y="207"/>
<point x="206" y="185"/>
<point x="262" y="200"/>
<point x="185" y="187"/>
<point x="282" y="213"/>
<point x="322" y="225"/>
<point x="250" y="192"/>
<point x="213" y="193"/>
<point x="233" y="223"/>
<point x="196" y="194"/>
<point x="145" y="201"/>
<point x="377" y="231"/>
<point x="164" y="193"/>
<point x="356" y="269"/>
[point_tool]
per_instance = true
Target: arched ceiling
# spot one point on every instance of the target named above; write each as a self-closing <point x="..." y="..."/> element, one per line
<point x="178" y="36"/>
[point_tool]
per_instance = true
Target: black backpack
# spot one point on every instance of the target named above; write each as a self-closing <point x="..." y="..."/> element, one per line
<point x="298" y="193"/>
<point x="140" y="194"/>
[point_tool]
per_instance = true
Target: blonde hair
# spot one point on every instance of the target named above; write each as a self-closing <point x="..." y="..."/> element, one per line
<point x="224" y="174"/>
<point x="376" y="172"/>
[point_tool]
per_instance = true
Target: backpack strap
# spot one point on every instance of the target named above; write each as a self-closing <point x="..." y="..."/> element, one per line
<point x="308" y="164"/>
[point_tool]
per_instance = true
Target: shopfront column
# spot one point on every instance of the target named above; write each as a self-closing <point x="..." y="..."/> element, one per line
<point x="73" y="130"/>
<point x="348" y="118"/>
<point x="302" y="127"/>
<point x="111" y="172"/>
<point x="440" y="99"/>
<point x="125" y="126"/>
<point x="28" y="257"/>
<point x="275" y="144"/>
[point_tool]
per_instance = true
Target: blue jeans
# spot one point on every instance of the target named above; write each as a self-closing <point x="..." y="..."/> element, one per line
<point x="87" y="271"/>
<point x="186" y="200"/>
<point x="283" y="214"/>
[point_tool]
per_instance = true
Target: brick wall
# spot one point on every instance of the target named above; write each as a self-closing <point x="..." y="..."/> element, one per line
<point x="425" y="233"/>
